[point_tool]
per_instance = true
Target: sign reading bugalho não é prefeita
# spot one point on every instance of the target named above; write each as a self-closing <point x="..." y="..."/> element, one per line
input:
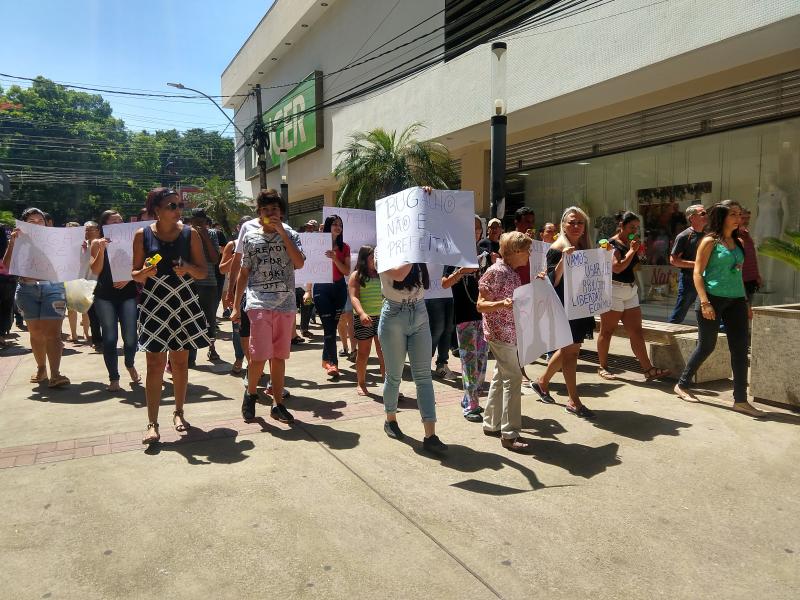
<point x="290" y="124"/>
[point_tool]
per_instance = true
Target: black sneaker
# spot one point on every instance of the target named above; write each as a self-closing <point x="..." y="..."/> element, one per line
<point x="473" y="417"/>
<point x="281" y="413"/>
<point x="392" y="429"/>
<point x="433" y="444"/>
<point x="249" y="406"/>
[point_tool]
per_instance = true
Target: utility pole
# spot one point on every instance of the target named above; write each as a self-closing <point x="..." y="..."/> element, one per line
<point x="499" y="122"/>
<point x="261" y="140"/>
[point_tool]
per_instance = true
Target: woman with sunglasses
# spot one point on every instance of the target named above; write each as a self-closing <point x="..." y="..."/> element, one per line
<point x="330" y="298"/>
<point x="167" y="256"/>
<point x="720" y="287"/>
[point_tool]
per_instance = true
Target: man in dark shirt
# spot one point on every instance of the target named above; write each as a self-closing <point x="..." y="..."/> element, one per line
<point x="682" y="256"/>
<point x="525" y="222"/>
<point x="491" y="243"/>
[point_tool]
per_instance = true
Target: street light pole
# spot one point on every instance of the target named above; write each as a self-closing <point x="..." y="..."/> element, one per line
<point x="180" y="86"/>
<point x="285" y="177"/>
<point x="499" y="123"/>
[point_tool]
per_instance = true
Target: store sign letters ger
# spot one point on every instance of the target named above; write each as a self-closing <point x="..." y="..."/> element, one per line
<point x="290" y="126"/>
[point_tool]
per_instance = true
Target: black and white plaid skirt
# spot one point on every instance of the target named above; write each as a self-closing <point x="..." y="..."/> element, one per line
<point x="170" y="317"/>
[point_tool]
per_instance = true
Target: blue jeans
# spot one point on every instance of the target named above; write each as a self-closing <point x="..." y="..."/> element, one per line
<point x="403" y="328"/>
<point x="440" y="314"/>
<point x="687" y="295"/>
<point x="208" y="297"/>
<point x="110" y="315"/>
<point x="329" y="298"/>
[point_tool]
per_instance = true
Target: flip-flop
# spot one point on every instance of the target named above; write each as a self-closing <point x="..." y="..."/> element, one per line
<point x="36" y="378"/>
<point x="606" y="374"/>
<point x="659" y="373"/>
<point x="543" y="396"/>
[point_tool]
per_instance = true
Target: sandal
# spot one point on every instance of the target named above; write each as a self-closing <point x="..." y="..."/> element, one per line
<point x="656" y="373"/>
<point x="151" y="437"/>
<point x="237" y="367"/>
<point x="134" y="375"/>
<point x="182" y="425"/>
<point x="59" y="381"/>
<point x="39" y="376"/>
<point x="606" y="374"/>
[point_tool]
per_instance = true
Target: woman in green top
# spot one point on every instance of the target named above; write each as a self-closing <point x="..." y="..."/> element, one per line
<point x="720" y="289"/>
<point x="365" y="295"/>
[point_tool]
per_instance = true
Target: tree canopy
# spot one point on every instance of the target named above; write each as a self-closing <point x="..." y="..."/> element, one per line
<point x="66" y="153"/>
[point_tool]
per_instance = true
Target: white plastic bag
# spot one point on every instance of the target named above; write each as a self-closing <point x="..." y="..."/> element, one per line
<point x="80" y="294"/>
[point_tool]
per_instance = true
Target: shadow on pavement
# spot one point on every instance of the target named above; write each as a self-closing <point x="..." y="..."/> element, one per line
<point x="577" y="459"/>
<point x="468" y="460"/>
<point x="637" y="426"/>
<point x="224" y="448"/>
<point x="310" y="432"/>
<point x="80" y="393"/>
<point x="318" y="408"/>
<point x="543" y="428"/>
<point x="194" y="394"/>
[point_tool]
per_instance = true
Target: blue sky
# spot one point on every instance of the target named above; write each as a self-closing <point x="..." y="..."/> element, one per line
<point x="138" y="44"/>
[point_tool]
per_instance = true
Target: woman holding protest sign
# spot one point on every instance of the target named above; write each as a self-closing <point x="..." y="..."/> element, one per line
<point x="473" y="349"/>
<point x="625" y="244"/>
<point x="330" y="298"/>
<point x="115" y="305"/>
<point x="43" y="304"/>
<point x="167" y="255"/>
<point x="721" y="291"/>
<point x="366" y="298"/>
<point x="574" y="236"/>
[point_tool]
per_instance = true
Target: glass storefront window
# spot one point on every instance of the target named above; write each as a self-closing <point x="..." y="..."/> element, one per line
<point x="757" y="166"/>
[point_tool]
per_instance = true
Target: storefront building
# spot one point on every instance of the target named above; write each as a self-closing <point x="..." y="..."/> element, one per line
<point x="635" y="106"/>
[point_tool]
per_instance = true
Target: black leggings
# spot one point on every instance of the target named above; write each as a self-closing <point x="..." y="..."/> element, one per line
<point x="733" y="313"/>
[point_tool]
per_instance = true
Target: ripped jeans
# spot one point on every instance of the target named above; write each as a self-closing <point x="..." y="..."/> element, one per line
<point x="41" y="300"/>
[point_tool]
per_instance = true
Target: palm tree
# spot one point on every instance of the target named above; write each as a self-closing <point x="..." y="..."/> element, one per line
<point x="378" y="163"/>
<point x="222" y="202"/>
<point x="787" y="252"/>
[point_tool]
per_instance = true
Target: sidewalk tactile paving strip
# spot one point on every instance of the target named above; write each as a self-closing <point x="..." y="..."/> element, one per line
<point x="98" y="445"/>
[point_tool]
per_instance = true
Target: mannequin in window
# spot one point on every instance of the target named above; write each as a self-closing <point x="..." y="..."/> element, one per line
<point x="772" y="219"/>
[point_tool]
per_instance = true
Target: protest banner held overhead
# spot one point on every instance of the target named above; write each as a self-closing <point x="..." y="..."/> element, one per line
<point x="120" y="250"/>
<point x="317" y="268"/>
<point x="358" y="225"/>
<point x="540" y="320"/>
<point x="587" y="283"/>
<point x="416" y="227"/>
<point x="49" y="253"/>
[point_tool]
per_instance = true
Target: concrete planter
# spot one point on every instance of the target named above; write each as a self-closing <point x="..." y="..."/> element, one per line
<point x="775" y="362"/>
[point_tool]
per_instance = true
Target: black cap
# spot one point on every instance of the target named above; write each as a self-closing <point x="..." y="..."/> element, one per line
<point x="199" y="213"/>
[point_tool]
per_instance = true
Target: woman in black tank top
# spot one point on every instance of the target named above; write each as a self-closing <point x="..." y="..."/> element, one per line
<point x="170" y="318"/>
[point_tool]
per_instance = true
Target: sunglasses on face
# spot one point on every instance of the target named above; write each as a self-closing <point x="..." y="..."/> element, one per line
<point x="701" y="214"/>
<point x="173" y="205"/>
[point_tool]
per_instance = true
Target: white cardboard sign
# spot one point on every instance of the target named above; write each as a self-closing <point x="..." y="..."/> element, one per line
<point x="416" y="227"/>
<point x="317" y="268"/>
<point x="587" y="283"/>
<point x="540" y="320"/>
<point x="49" y="253"/>
<point x="538" y="259"/>
<point x="358" y="225"/>
<point x="436" y="290"/>
<point x="120" y="250"/>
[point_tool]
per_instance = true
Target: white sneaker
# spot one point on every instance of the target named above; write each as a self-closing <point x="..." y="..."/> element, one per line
<point x="444" y="372"/>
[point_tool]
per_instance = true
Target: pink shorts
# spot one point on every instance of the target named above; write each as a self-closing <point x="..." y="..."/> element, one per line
<point x="270" y="334"/>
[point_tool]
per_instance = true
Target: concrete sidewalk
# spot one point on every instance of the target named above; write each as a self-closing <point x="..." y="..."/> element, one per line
<point x="656" y="498"/>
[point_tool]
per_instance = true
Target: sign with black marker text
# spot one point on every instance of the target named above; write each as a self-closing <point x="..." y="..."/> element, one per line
<point x="587" y="283"/>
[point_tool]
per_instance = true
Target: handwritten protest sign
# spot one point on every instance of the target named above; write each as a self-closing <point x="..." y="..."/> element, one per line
<point x="120" y="250"/>
<point x="436" y="290"/>
<point x="358" y="225"/>
<point x="318" y="268"/>
<point x="540" y="320"/>
<point x="51" y="253"/>
<point x="538" y="257"/>
<point x="415" y="227"/>
<point x="587" y="283"/>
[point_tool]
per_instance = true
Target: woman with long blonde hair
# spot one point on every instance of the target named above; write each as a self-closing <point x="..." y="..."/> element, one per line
<point x="574" y="236"/>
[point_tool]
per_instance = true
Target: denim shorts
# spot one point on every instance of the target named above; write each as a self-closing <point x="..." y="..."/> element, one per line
<point x="41" y="300"/>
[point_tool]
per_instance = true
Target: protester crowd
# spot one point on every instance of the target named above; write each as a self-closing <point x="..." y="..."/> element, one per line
<point x="184" y="268"/>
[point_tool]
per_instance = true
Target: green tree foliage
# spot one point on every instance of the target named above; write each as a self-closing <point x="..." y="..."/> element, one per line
<point x="222" y="201"/>
<point x="378" y="163"/>
<point x="67" y="154"/>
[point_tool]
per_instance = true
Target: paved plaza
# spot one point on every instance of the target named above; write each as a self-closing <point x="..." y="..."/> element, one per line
<point x="656" y="498"/>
